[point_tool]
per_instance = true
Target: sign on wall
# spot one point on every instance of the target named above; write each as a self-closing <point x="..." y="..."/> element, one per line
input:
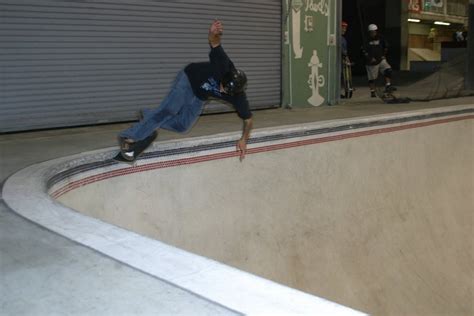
<point x="436" y="3"/>
<point x="414" y="6"/>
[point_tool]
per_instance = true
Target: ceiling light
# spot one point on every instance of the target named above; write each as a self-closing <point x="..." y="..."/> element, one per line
<point x="414" y="20"/>
<point x="441" y="23"/>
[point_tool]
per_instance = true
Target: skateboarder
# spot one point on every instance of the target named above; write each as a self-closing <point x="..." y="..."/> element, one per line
<point x="346" y="71"/>
<point x="375" y="51"/>
<point x="344" y="26"/>
<point x="194" y="85"/>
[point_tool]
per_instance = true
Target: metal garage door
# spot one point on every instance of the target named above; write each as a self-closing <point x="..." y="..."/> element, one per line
<point x="66" y="63"/>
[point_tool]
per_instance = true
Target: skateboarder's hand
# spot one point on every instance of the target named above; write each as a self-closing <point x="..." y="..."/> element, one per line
<point x="216" y="28"/>
<point x="215" y="32"/>
<point x="242" y="148"/>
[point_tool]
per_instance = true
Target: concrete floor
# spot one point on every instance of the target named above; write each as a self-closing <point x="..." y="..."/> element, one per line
<point x="42" y="273"/>
<point x="45" y="274"/>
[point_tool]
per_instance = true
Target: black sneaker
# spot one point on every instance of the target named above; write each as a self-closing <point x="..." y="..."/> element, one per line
<point x="373" y="94"/>
<point x="127" y="148"/>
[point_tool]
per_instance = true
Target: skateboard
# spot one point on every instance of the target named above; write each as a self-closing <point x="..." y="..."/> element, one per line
<point x="347" y="78"/>
<point x="135" y="150"/>
<point x="389" y="98"/>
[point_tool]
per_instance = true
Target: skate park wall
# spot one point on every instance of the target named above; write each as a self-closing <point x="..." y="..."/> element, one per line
<point x="372" y="213"/>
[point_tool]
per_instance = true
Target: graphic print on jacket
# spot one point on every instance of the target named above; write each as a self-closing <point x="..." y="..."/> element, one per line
<point x="212" y="87"/>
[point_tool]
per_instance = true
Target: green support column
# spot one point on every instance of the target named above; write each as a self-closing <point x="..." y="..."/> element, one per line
<point x="310" y="53"/>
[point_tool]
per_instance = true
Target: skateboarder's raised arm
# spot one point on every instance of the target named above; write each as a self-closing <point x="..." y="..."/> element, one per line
<point x="218" y="58"/>
<point x="220" y="62"/>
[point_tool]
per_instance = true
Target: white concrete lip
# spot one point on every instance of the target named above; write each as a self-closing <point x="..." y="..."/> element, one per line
<point x="26" y="193"/>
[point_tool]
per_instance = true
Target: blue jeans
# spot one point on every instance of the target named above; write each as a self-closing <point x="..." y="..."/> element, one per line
<point x="177" y="112"/>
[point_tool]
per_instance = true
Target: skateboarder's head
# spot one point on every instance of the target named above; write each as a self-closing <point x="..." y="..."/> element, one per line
<point x="344" y="26"/>
<point x="372" y="30"/>
<point x="234" y="82"/>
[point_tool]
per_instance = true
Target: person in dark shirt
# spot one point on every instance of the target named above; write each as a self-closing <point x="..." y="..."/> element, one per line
<point x="344" y="26"/>
<point x="346" y="77"/>
<point x="196" y="84"/>
<point x="374" y="51"/>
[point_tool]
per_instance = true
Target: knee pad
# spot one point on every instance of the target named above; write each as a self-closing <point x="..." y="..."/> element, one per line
<point x="388" y="73"/>
<point x="371" y="81"/>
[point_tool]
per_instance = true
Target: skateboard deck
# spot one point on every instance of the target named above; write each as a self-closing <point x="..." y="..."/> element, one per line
<point x="130" y="156"/>
<point x="347" y="79"/>
<point x="389" y="98"/>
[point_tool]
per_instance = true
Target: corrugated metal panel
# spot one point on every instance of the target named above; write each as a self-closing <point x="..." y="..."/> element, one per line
<point x="66" y="63"/>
